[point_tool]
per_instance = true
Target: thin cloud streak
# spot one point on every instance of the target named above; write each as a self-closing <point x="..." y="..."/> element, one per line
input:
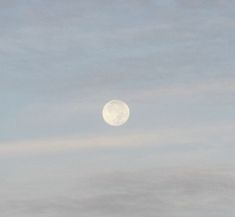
<point x="210" y="88"/>
<point x="197" y="135"/>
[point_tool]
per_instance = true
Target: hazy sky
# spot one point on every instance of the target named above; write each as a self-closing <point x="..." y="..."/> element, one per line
<point x="172" y="61"/>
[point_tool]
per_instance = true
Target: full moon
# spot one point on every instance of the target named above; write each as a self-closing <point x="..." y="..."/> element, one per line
<point x="116" y="112"/>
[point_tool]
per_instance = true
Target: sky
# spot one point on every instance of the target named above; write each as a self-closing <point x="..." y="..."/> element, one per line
<point x="171" y="61"/>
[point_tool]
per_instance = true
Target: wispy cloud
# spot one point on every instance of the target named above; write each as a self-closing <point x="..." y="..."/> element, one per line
<point x="204" y="88"/>
<point x="204" y="136"/>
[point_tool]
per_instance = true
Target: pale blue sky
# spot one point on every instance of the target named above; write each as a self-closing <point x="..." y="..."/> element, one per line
<point x="171" y="61"/>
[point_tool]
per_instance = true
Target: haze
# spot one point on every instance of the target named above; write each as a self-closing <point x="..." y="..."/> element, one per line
<point x="172" y="61"/>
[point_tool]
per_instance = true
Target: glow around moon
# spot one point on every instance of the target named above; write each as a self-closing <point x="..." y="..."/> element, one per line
<point x="116" y="113"/>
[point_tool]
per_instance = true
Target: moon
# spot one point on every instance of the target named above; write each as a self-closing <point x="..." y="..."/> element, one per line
<point x="116" y="112"/>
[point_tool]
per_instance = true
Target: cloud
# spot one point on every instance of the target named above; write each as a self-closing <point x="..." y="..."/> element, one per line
<point x="206" y="89"/>
<point x="202" y="4"/>
<point x="162" y="192"/>
<point x="205" y="136"/>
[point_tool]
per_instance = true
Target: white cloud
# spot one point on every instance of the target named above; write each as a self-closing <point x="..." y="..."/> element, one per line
<point x="206" y="136"/>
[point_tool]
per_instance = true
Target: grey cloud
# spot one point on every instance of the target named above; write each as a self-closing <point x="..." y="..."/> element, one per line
<point x="183" y="193"/>
<point x="159" y="192"/>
